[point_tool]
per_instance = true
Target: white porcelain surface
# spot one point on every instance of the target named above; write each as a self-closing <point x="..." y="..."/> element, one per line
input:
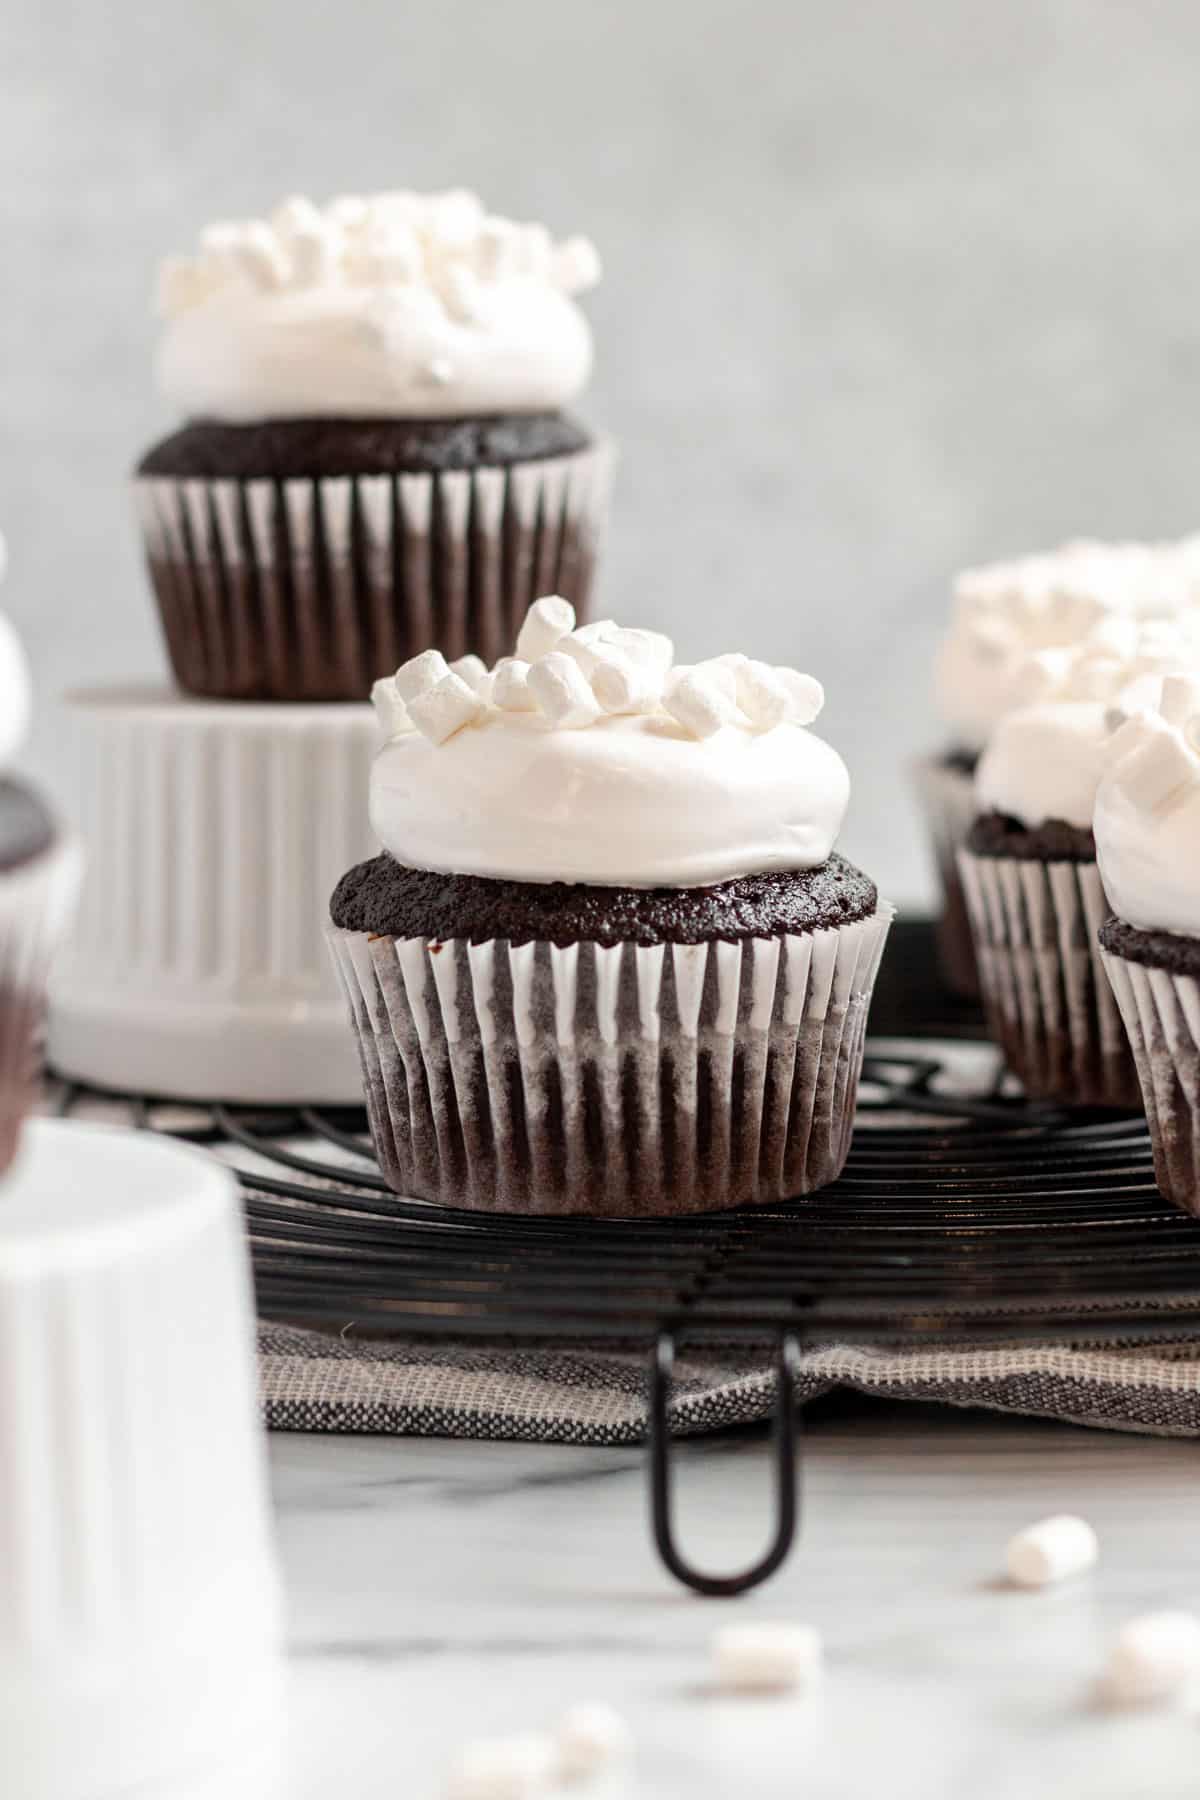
<point x="139" y="1604"/>
<point x="441" y="1591"/>
<point x="215" y="832"/>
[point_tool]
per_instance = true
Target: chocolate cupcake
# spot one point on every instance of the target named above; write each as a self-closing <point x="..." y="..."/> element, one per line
<point x="1005" y="613"/>
<point x="1034" y="892"/>
<point x="375" y="456"/>
<point x="38" y="877"/>
<point x="1147" y="826"/>
<point x="608" y="962"/>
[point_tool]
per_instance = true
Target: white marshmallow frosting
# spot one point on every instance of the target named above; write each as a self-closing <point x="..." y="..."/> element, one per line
<point x="595" y="760"/>
<point x="1007" y="613"/>
<point x="1044" y="761"/>
<point x="15" y="688"/>
<point x="399" y="305"/>
<point x="1147" y="815"/>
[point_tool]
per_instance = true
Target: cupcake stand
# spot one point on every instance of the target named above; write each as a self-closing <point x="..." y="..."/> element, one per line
<point x="965" y="1215"/>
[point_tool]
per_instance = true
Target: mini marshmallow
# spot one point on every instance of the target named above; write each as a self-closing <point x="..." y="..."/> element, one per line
<point x="576" y="265"/>
<point x="767" y="1656"/>
<point x="1154" y="1657"/>
<point x="510" y="686"/>
<point x="1159" y="771"/>
<point x="591" y="1738"/>
<point x="1180" y="699"/>
<point x="719" y="669"/>
<point x="760" y="694"/>
<point x="420" y="674"/>
<point x="259" y="254"/>
<point x="622" y="686"/>
<point x="507" y="1768"/>
<point x="597" y="631"/>
<point x="806" y="696"/>
<point x="442" y="710"/>
<point x="390" y="709"/>
<point x="547" y="620"/>
<point x="1051" y="1550"/>
<point x="473" y="670"/>
<point x="562" y="692"/>
<point x="650" y="649"/>
<point x="698" y="702"/>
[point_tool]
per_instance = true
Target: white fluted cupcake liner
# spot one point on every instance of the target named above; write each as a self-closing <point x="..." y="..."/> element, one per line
<point x="948" y="802"/>
<point x="36" y="899"/>
<point x="215" y="832"/>
<point x="310" y="589"/>
<point x="1161" y="1012"/>
<point x="619" y="1082"/>
<point x="1049" y="1003"/>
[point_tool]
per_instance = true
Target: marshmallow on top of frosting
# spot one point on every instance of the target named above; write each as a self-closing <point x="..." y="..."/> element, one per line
<point x="1006" y="612"/>
<point x="1044" y="760"/>
<point x="15" y="687"/>
<point x="394" y="305"/>
<point x="591" y="756"/>
<point x="1147" y="814"/>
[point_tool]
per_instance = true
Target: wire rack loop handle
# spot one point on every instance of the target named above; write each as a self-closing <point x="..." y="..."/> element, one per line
<point x="785" y="1443"/>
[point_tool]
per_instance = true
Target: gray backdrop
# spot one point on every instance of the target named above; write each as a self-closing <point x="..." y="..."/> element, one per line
<point x="888" y="287"/>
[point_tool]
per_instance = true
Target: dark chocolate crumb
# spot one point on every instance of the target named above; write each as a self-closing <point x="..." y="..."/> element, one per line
<point x="285" y="449"/>
<point x="1156" y="949"/>
<point x="996" y="834"/>
<point x="26" y="824"/>
<point x="388" y="900"/>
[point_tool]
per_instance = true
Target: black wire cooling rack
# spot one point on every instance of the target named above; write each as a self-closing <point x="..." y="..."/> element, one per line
<point x="964" y="1212"/>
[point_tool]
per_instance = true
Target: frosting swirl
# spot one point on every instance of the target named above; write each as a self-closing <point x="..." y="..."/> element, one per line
<point x="1007" y="613"/>
<point x="593" y="759"/>
<point x="1044" y="761"/>
<point x="1147" y="816"/>
<point x="15" y="689"/>
<point x="396" y="306"/>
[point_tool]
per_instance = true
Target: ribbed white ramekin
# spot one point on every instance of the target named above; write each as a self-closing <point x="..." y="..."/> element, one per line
<point x="215" y="832"/>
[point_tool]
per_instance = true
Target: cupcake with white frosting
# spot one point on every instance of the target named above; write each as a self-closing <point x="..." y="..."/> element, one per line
<point x="38" y="878"/>
<point x="609" y="961"/>
<point x="1147" y="827"/>
<point x="1005" y="613"/>
<point x="376" y="454"/>
<point x="1033" y="889"/>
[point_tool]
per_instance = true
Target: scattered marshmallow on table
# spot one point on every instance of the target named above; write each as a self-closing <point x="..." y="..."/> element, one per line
<point x="1052" y="1550"/>
<point x="445" y="709"/>
<point x="563" y="692"/>
<point x="420" y="674"/>
<point x="547" y="620"/>
<point x="1154" y="1657"/>
<point x="766" y="1657"/>
<point x="590" y="1738"/>
<point x="507" y="1768"/>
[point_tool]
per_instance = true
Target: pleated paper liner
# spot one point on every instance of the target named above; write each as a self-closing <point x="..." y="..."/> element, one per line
<point x="948" y="800"/>
<point x="35" y="903"/>
<point x="311" y="589"/>
<point x="617" y="1082"/>
<point x="1161" y="1012"/>
<point x="1048" y="1001"/>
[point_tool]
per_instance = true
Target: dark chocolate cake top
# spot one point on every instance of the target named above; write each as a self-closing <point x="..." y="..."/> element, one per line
<point x="26" y="824"/>
<point x="1156" y="949"/>
<point x="995" y="834"/>
<point x="287" y="449"/>
<point x="388" y="900"/>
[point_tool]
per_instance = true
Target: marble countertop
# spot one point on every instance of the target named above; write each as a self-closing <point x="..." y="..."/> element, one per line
<point x="443" y="1590"/>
